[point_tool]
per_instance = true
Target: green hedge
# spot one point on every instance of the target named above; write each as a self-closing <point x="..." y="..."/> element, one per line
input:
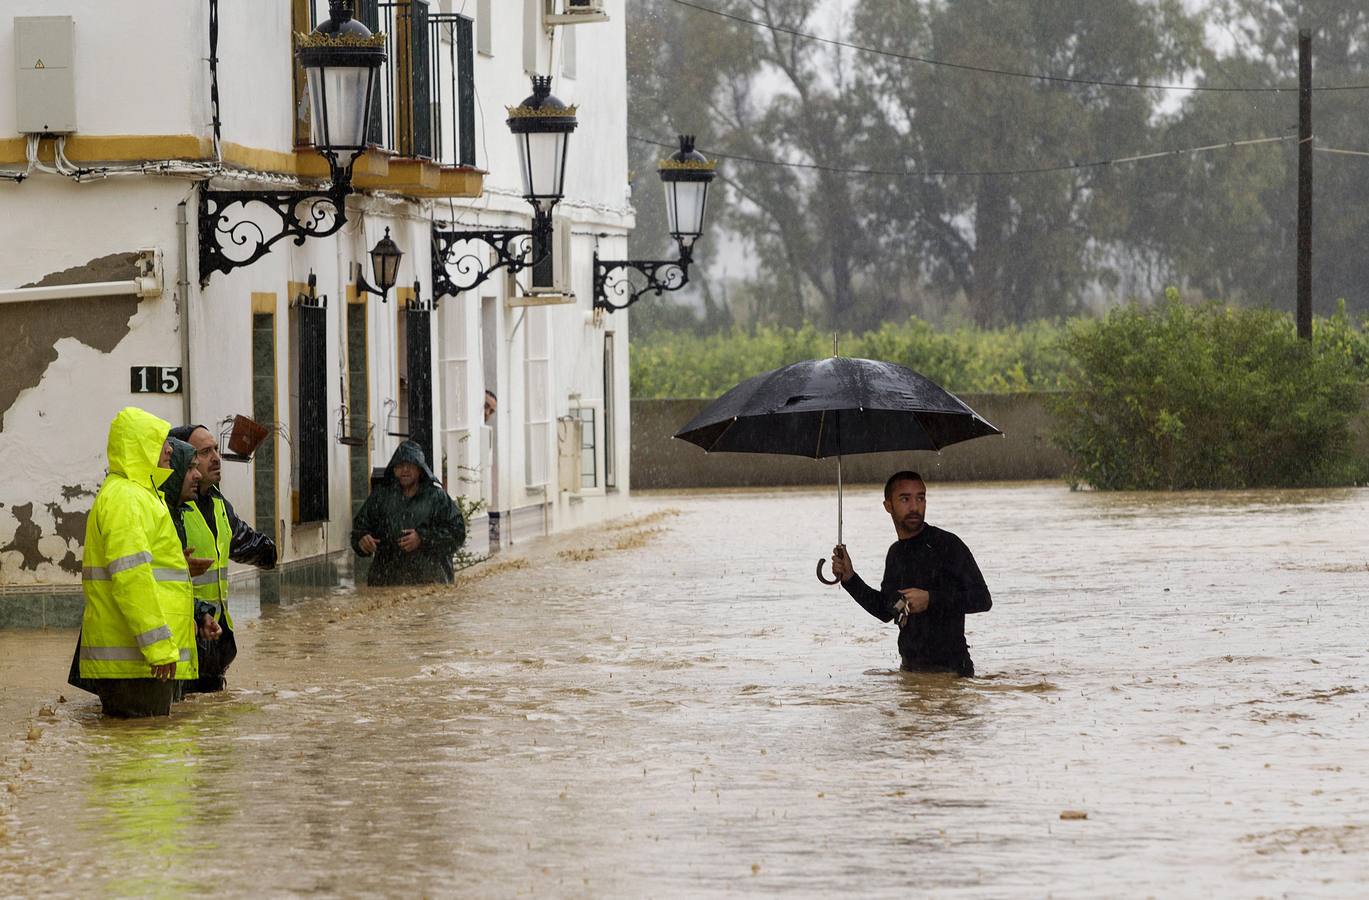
<point x="1209" y="396"/>
<point x="682" y="364"/>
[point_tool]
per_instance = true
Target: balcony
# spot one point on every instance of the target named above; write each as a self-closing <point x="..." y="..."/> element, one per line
<point x="423" y="122"/>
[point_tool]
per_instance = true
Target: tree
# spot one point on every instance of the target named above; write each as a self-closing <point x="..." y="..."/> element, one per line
<point x="675" y="70"/>
<point x="1227" y="223"/>
<point x="1028" y="245"/>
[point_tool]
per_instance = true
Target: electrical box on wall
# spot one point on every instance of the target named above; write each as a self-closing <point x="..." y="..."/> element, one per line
<point x="45" y="74"/>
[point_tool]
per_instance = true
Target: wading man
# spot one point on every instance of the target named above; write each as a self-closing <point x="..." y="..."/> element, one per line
<point x="931" y="582"/>
<point x="137" y="634"/>
<point x="213" y="531"/>
<point x="179" y="489"/>
<point x="408" y="524"/>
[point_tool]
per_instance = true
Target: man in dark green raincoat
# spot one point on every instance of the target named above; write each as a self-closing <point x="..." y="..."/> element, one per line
<point x="408" y="524"/>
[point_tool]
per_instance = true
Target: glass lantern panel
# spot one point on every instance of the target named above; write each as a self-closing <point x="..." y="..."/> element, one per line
<point x="339" y="98"/>
<point x="542" y="160"/>
<point x="385" y="267"/>
<point x="685" y="208"/>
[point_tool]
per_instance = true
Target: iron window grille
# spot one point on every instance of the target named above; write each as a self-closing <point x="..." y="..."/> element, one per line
<point x="314" y="425"/>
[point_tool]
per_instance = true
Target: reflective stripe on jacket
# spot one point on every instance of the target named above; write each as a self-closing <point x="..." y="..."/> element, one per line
<point x="139" y="608"/>
<point x="212" y="585"/>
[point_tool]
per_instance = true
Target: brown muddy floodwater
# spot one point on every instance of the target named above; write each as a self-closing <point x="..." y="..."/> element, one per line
<point x="672" y="706"/>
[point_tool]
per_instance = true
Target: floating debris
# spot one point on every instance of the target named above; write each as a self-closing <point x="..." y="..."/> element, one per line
<point x="35" y="733"/>
<point x="1073" y="814"/>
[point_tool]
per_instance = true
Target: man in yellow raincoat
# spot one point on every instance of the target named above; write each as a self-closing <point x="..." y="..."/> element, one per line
<point x="138" y="632"/>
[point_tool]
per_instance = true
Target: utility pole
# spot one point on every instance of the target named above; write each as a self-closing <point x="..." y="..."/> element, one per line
<point x="1304" y="316"/>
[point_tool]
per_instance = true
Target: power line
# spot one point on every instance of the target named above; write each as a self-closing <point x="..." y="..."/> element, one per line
<point x="937" y="173"/>
<point x="989" y="70"/>
<point x="1339" y="151"/>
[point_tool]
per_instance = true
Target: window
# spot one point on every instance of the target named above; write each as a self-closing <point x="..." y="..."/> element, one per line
<point x="453" y="96"/>
<point x="610" y="469"/>
<point x="537" y="378"/>
<point x="532" y="30"/>
<point x="309" y="405"/>
<point x="483" y="42"/>
<point x="358" y="422"/>
<point x="460" y="468"/>
<point x="567" y="36"/>
<point x="419" y="359"/>
<point x="424" y="103"/>
<point x="589" y="463"/>
<point x="264" y="410"/>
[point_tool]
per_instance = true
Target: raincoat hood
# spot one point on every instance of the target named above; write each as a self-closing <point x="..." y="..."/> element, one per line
<point x="183" y="432"/>
<point x="410" y="452"/>
<point x="135" y="444"/>
<point x="182" y="456"/>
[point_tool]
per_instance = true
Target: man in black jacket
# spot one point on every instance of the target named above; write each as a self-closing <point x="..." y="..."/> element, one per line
<point x="213" y="531"/>
<point x="931" y="582"/>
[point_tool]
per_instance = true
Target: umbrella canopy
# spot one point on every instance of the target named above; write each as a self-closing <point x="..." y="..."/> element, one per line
<point x="830" y="407"/>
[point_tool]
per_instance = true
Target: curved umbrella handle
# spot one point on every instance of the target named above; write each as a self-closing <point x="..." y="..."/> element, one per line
<point x="821" y="563"/>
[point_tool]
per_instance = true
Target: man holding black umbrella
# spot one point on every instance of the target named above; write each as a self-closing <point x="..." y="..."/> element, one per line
<point x="931" y="582"/>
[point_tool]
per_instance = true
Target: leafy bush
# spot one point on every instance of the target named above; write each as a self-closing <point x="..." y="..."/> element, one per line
<point x="1209" y="396"/>
<point x="681" y="364"/>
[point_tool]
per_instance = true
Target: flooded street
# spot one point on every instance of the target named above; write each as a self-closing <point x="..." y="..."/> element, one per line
<point x="673" y="706"/>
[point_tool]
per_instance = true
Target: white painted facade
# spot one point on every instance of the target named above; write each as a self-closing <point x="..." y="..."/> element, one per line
<point x="545" y="363"/>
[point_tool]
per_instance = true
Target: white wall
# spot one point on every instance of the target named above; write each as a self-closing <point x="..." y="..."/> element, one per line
<point x="139" y="67"/>
<point x="55" y="433"/>
<point x="255" y="50"/>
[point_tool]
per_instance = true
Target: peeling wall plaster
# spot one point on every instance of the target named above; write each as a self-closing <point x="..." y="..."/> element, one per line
<point x="29" y="332"/>
<point x="37" y="538"/>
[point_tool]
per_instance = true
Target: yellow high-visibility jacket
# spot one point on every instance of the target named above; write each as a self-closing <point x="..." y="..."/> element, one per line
<point x="139" y="607"/>
<point x="212" y="586"/>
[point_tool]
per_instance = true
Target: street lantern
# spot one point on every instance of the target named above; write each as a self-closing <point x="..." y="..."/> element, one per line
<point x="341" y="60"/>
<point x="542" y="125"/>
<point x="686" y="175"/>
<point x="385" y="257"/>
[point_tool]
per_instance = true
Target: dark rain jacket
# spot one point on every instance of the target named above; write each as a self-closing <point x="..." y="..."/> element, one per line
<point x="182" y="457"/>
<point x="387" y="513"/>
<point x="939" y="563"/>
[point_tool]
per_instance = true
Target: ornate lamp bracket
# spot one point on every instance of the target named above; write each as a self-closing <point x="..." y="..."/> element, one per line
<point x="515" y="249"/>
<point x="226" y="222"/>
<point x="661" y="275"/>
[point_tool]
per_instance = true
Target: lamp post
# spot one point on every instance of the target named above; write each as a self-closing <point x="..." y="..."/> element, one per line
<point x="385" y="258"/>
<point x="341" y="60"/>
<point x="541" y="126"/>
<point x="686" y="175"/>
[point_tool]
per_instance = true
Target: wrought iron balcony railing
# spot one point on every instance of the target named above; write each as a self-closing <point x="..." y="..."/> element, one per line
<point x="425" y="107"/>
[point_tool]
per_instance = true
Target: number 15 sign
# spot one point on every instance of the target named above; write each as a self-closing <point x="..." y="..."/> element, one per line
<point x="156" y="380"/>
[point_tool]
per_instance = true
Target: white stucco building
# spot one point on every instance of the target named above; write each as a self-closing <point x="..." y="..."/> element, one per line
<point x="110" y="132"/>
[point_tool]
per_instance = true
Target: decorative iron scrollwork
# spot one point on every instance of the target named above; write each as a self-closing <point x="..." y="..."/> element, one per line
<point x="661" y="275"/>
<point x="514" y="249"/>
<point x="302" y="214"/>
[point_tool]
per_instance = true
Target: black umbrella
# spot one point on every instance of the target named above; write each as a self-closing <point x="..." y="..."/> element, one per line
<point x="830" y="407"/>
